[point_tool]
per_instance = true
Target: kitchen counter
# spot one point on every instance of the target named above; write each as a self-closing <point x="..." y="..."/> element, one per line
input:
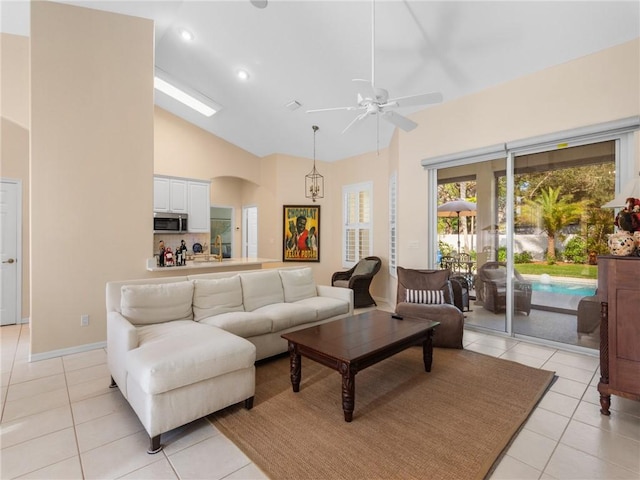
<point x="226" y="264"/>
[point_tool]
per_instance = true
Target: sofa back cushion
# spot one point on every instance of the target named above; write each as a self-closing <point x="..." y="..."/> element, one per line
<point x="148" y="304"/>
<point x="216" y="296"/>
<point x="298" y="284"/>
<point x="260" y="289"/>
<point x="410" y="279"/>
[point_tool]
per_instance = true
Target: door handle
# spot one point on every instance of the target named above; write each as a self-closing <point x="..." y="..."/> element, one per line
<point x="11" y="260"/>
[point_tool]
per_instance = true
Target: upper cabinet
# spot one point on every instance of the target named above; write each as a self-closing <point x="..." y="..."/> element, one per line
<point x="170" y="195"/>
<point x="199" y="211"/>
<point x="181" y="195"/>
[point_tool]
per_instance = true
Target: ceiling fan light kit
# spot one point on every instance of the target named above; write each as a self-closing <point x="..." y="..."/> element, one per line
<point x="374" y="101"/>
<point x="313" y="181"/>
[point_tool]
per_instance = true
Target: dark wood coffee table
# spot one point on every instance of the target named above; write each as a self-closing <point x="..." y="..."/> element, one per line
<point x="355" y="343"/>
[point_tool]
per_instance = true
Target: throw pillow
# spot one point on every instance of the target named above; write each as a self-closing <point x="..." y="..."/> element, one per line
<point x="425" y="296"/>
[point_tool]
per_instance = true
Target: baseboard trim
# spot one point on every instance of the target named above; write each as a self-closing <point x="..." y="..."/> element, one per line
<point x="66" y="351"/>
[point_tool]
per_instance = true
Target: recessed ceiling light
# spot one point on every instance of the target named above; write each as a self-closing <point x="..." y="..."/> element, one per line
<point x="259" y="3"/>
<point x="243" y="75"/>
<point x="185" y="34"/>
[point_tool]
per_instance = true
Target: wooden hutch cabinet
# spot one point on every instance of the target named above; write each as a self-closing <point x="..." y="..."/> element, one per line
<point x="619" y="294"/>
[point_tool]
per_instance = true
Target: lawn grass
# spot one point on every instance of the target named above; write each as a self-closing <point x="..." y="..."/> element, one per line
<point x="559" y="269"/>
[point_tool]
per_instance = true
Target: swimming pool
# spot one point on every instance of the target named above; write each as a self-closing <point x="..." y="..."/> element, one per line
<point x="564" y="288"/>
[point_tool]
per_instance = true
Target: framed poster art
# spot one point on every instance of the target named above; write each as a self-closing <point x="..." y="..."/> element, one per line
<point x="301" y="224"/>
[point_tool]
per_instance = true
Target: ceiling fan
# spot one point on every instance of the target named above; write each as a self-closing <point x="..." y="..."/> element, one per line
<point x="372" y="100"/>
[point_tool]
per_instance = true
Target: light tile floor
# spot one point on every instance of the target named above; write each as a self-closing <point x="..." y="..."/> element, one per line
<point x="61" y="421"/>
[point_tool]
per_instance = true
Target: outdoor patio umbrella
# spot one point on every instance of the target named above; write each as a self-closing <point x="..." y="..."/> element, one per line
<point x="455" y="208"/>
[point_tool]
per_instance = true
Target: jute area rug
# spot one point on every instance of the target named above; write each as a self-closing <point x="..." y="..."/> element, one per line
<point x="451" y="423"/>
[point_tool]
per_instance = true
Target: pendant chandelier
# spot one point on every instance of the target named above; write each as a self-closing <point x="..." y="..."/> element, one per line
<point x="313" y="181"/>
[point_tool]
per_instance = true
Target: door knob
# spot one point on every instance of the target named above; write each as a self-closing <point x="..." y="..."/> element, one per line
<point x="11" y="260"/>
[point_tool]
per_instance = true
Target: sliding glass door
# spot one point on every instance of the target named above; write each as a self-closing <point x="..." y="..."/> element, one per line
<point x="528" y="248"/>
<point x="471" y="240"/>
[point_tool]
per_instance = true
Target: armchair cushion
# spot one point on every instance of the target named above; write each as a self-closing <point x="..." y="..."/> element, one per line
<point x="149" y="304"/>
<point x="365" y="267"/>
<point x="425" y="296"/>
<point x="424" y="280"/>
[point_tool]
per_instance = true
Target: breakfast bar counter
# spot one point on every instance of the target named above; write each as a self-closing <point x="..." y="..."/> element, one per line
<point x="226" y="264"/>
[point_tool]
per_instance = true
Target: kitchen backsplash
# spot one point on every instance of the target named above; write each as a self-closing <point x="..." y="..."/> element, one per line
<point x="172" y="240"/>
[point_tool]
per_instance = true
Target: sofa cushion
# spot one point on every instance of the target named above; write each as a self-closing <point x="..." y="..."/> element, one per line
<point x="424" y="296"/>
<point x="146" y="304"/>
<point x="286" y="315"/>
<point x="243" y="324"/>
<point x="325" y="307"/>
<point x="260" y="289"/>
<point x="298" y="284"/>
<point x="216" y="296"/>
<point x="188" y="355"/>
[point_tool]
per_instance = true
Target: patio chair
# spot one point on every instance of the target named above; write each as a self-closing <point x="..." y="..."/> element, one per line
<point x="358" y="278"/>
<point x="493" y="277"/>
<point x="588" y="314"/>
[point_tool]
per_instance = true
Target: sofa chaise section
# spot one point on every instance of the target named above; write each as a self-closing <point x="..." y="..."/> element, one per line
<point x="180" y="348"/>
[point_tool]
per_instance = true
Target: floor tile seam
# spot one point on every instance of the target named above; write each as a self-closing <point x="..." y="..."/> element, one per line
<point x="6" y="395"/>
<point x="592" y="372"/>
<point x="610" y="431"/>
<point x="73" y="422"/>
<point x="238" y="469"/>
<point x="152" y="463"/>
<point x="38" y="436"/>
<point x="606" y="460"/>
<point x="25" y="474"/>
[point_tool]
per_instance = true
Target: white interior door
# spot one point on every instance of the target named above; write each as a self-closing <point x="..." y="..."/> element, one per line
<point x="250" y="232"/>
<point x="10" y="245"/>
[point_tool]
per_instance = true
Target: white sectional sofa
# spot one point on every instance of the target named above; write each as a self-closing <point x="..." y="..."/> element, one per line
<point x="180" y="348"/>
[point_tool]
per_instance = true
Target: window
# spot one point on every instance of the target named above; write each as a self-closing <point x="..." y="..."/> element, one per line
<point x="393" y="228"/>
<point x="356" y="236"/>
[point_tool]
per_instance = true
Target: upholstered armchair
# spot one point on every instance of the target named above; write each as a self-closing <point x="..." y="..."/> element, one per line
<point x="358" y="278"/>
<point x="493" y="281"/>
<point x="428" y="294"/>
<point x="588" y="314"/>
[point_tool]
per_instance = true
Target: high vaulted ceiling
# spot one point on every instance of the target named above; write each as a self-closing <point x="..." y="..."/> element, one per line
<point x="309" y="52"/>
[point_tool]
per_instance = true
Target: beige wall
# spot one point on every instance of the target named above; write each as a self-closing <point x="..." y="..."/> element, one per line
<point x="14" y="135"/>
<point x="91" y="166"/>
<point x="92" y="155"/>
<point x="597" y="88"/>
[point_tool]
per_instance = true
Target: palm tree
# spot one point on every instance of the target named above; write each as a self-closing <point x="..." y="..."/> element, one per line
<point x="552" y="213"/>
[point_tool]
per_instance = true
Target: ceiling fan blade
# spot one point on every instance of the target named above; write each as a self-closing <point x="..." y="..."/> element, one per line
<point x="422" y="99"/>
<point x="399" y="121"/>
<point x="359" y="118"/>
<point x="331" y="109"/>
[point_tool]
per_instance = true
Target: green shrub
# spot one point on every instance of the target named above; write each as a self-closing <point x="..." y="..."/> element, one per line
<point x="523" y="257"/>
<point x="502" y="254"/>
<point x="575" y="250"/>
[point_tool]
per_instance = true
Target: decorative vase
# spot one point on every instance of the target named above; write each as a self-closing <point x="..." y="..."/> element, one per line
<point x="622" y="243"/>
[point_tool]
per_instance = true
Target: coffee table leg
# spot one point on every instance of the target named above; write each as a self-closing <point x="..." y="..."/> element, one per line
<point x="427" y="351"/>
<point x="348" y="390"/>
<point x="296" y="367"/>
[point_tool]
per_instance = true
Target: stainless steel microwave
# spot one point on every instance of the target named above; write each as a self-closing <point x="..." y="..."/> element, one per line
<point x="170" y="222"/>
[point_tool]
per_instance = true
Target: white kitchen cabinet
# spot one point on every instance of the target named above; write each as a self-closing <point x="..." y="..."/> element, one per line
<point x="170" y="195"/>
<point x="199" y="211"/>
